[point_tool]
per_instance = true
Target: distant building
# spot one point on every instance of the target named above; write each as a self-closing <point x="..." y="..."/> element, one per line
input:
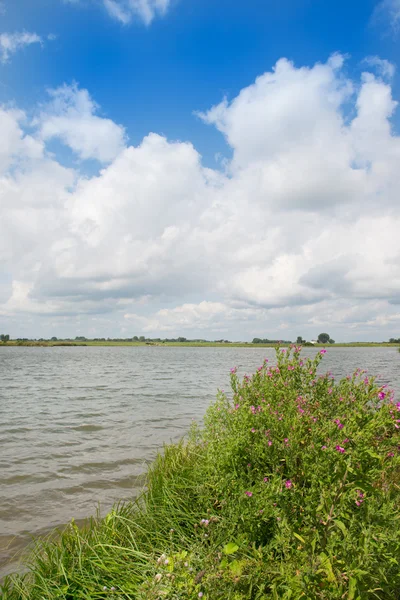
<point x="314" y="342"/>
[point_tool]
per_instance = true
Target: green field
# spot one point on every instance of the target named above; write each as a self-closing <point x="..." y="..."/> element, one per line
<point x="188" y="344"/>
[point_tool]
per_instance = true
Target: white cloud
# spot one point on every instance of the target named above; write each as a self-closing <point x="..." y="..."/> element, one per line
<point x="300" y="232"/>
<point x="71" y="117"/>
<point x="10" y="43"/>
<point x="383" y="66"/>
<point x="117" y="11"/>
<point x="391" y="10"/>
<point x="126" y="11"/>
<point x="146" y="10"/>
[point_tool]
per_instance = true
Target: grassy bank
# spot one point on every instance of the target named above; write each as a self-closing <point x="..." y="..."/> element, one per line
<point x="290" y="491"/>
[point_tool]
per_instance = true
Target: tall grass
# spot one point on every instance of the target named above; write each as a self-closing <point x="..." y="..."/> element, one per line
<point x="290" y="491"/>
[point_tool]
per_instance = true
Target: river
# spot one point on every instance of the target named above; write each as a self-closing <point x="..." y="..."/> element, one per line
<point x="79" y="425"/>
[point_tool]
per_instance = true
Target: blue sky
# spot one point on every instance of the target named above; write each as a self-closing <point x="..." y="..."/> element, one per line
<point x="152" y="78"/>
<point x="84" y="82"/>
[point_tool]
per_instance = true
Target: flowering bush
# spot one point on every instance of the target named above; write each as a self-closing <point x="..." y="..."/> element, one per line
<point x="301" y="476"/>
<point x="308" y="471"/>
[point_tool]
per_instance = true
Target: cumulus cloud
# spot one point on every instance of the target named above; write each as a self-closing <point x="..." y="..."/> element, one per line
<point x="299" y="232"/>
<point x="10" y="43"/>
<point x="71" y="117"/>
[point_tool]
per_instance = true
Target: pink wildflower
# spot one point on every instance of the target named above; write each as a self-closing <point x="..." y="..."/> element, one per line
<point x="340" y="449"/>
<point x="269" y="443"/>
<point x="266" y="479"/>
<point x="253" y="430"/>
<point x="288" y="484"/>
<point x="249" y="494"/>
<point x="381" y="395"/>
<point x="323" y="351"/>
<point x="323" y="447"/>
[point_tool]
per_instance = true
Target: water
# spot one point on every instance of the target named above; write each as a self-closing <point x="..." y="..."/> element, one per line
<point x="78" y="425"/>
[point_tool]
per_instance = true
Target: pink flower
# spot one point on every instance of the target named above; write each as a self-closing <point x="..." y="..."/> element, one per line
<point x="288" y="484"/>
<point x="253" y="430"/>
<point x="323" y="351"/>
<point x="249" y="494"/>
<point x="269" y="443"/>
<point x="381" y="395"/>
<point x="340" y="449"/>
<point x="323" y="447"/>
<point x="266" y="479"/>
<point x="390" y="453"/>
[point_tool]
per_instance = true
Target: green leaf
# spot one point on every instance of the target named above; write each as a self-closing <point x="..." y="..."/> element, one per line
<point x="342" y="527"/>
<point x="236" y="567"/>
<point x="327" y="567"/>
<point x="302" y="540"/>
<point x="230" y="548"/>
<point x="352" y="588"/>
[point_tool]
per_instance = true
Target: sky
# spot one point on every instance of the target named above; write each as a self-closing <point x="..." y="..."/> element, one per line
<point x="200" y="168"/>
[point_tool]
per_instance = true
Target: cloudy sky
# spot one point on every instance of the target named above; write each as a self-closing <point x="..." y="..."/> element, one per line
<point x="200" y="168"/>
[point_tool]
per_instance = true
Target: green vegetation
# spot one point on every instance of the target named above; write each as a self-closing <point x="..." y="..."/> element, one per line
<point x="142" y="341"/>
<point x="290" y="491"/>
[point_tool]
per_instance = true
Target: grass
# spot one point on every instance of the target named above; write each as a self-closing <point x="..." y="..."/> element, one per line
<point x="291" y="490"/>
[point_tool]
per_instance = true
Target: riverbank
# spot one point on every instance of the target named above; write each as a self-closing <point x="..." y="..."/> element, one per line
<point x="46" y="343"/>
<point x="289" y="491"/>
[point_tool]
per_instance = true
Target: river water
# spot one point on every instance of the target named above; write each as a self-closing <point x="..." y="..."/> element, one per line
<point x="78" y="425"/>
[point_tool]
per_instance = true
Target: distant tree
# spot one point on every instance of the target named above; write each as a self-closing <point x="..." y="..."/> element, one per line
<point x="300" y="340"/>
<point x="324" y="338"/>
<point x="135" y="338"/>
<point x="4" y="338"/>
<point x="331" y="341"/>
<point x="54" y="339"/>
<point x="182" y="339"/>
<point x="256" y="341"/>
<point x="142" y="338"/>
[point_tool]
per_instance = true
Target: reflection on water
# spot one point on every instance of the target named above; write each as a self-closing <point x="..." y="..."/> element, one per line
<point x="78" y="425"/>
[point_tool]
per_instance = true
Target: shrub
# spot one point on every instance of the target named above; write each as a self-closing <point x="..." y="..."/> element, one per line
<point x="291" y="490"/>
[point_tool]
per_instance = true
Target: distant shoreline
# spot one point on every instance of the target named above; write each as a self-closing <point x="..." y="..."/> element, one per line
<point x="67" y="343"/>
